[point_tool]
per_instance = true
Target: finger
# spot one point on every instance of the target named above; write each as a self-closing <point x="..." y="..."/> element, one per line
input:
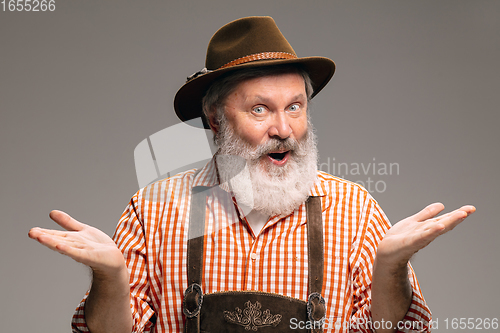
<point x="429" y="212"/>
<point x="452" y="220"/>
<point x="53" y="241"/>
<point x="438" y="228"/>
<point x="66" y="221"/>
<point x="442" y="225"/>
<point x="447" y="215"/>
<point x="35" y="232"/>
<point x="469" y="209"/>
<point x="50" y="238"/>
<point x="69" y="237"/>
<point x="464" y="211"/>
<point x="63" y="244"/>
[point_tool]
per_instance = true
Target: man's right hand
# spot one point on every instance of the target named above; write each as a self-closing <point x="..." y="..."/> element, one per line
<point x="107" y="307"/>
<point x="83" y="243"/>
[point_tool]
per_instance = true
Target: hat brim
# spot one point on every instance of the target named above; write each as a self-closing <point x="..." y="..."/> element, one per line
<point x="188" y="100"/>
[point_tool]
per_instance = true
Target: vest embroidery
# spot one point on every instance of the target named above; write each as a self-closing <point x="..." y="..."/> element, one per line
<point x="252" y="318"/>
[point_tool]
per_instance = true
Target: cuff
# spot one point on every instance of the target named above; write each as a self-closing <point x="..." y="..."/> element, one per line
<point x="142" y="324"/>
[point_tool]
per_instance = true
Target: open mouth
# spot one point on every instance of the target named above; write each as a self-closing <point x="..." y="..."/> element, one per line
<point x="278" y="156"/>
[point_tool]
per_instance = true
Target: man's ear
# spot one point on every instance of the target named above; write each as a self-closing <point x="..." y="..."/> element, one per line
<point x="212" y="120"/>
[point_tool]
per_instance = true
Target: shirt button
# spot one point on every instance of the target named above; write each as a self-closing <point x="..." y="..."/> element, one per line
<point x="253" y="256"/>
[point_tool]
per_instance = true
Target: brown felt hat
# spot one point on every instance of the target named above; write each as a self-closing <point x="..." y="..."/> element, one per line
<point x="254" y="41"/>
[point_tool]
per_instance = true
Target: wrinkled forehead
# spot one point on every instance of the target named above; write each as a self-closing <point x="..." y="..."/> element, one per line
<point x="270" y="87"/>
<point x="226" y="84"/>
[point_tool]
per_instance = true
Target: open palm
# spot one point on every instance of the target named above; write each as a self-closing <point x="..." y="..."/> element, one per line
<point x="83" y="243"/>
<point x="410" y="235"/>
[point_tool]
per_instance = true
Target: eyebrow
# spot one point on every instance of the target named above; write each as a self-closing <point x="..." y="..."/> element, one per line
<point x="266" y="99"/>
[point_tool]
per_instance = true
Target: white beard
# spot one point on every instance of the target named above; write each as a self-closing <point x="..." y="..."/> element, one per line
<point x="264" y="187"/>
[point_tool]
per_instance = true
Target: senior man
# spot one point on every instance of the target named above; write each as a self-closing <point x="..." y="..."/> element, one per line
<point x="258" y="239"/>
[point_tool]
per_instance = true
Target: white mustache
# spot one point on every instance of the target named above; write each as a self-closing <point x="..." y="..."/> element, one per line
<point x="274" y="145"/>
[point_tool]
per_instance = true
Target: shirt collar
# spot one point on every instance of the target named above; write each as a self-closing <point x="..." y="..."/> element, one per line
<point x="318" y="189"/>
<point x="207" y="176"/>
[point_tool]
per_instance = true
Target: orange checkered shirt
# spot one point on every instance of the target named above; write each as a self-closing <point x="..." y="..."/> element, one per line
<point x="153" y="232"/>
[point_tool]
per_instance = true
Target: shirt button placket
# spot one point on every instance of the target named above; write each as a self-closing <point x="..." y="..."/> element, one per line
<point x="251" y="264"/>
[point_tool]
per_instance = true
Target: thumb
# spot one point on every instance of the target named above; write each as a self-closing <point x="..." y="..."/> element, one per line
<point x="66" y="221"/>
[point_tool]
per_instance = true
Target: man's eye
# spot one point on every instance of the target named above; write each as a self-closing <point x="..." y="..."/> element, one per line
<point x="294" y="107"/>
<point x="258" y="109"/>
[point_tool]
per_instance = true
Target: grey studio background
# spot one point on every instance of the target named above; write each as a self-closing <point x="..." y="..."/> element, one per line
<point x="417" y="87"/>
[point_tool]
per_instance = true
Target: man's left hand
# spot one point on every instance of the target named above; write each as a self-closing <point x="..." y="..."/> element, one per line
<point x="410" y="235"/>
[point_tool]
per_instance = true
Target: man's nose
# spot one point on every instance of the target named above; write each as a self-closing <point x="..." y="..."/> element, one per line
<point x="280" y="126"/>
